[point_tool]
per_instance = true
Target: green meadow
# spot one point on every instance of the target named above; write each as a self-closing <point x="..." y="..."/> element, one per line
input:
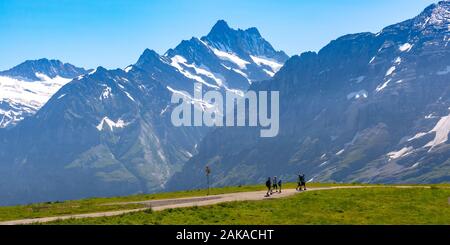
<point x="339" y="206"/>
<point x="91" y="205"/>
<point x="380" y="205"/>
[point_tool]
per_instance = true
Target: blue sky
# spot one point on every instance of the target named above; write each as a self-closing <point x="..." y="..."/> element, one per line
<point x="114" y="33"/>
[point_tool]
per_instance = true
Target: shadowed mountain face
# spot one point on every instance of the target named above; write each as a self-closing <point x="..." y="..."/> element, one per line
<point x="367" y="108"/>
<point x="109" y="132"/>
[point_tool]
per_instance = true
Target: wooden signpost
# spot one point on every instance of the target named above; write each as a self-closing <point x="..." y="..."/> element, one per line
<point x="208" y="172"/>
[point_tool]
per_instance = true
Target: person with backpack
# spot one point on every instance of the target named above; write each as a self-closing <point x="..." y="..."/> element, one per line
<point x="269" y="186"/>
<point x="275" y="184"/>
<point x="279" y="184"/>
<point x="303" y="182"/>
<point x="299" y="183"/>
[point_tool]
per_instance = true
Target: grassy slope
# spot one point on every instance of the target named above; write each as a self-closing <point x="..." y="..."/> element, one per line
<point x="91" y="205"/>
<point x="344" y="206"/>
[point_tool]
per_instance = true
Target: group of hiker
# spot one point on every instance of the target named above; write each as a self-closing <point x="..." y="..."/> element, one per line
<point x="274" y="184"/>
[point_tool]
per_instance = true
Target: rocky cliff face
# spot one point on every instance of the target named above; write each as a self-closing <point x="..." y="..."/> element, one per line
<point x="367" y="108"/>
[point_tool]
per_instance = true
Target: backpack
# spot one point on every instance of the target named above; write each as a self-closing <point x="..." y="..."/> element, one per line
<point x="268" y="184"/>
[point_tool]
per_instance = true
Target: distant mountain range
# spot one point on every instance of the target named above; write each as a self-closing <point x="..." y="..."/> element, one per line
<point x="108" y="132"/>
<point x="366" y="108"/>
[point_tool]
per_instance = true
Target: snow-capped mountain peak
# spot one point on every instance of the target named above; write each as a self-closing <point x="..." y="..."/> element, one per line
<point x="440" y="13"/>
<point x="51" y="68"/>
<point x="241" y="42"/>
<point x="435" y="16"/>
<point x="239" y="56"/>
<point x="25" y="88"/>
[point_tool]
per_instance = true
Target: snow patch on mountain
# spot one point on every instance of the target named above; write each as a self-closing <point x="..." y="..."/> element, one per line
<point x="24" y="98"/>
<point x="9" y="117"/>
<point x="235" y="91"/>
<point x="405" y="47"/>
<point x="401" y="153"/>
<point x="359" y="94"/>
<point x="164" y="110"/>
<point x="241" y="73"/>
<point x="417" y="136"/>
<point x="390" y="71"/>
<point x="106" y="93"/>
<point x="128" y="68"/>
<point x="382" y="86"/>
<point x="199" y="104"/>
<point x="92" y="72"/>
<point x="111" y="124"/>
<point x="238" y="71"/>
<point x="178" y="62"/>
<point x="204" y="71"/>
<point x="270" y="73"/>
<point x="441" y="129"/>
<point x="129" y="96"/>
<point x="340" y="152"/>
<point x="263" y="61"/>
<point x="242" y="64"/>
<point x="323" y="164"/>
<point x="34" y="94"/>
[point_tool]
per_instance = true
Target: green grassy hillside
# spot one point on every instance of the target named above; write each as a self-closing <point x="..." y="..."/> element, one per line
<point x="91" y="205"/>
<point x="343" y="206"/>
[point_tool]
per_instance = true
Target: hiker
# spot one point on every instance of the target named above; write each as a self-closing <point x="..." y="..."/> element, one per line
<point x="303" y="182"/>
<point x="279" y="184"/>
<point x="275" y="184"/>
<point x="299" y="183"/>
<point x="269" y="186"/>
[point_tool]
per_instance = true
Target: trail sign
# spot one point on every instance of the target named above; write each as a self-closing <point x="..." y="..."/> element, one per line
<point x="208" y="172"/>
